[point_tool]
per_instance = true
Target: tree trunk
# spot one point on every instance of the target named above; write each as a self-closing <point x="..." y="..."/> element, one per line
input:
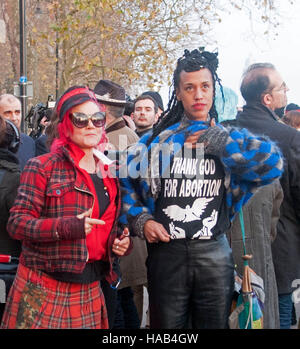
<point x="9" y="13"/>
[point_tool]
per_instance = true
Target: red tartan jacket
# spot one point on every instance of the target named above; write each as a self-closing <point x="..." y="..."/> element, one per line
<point x="50" y="196"/>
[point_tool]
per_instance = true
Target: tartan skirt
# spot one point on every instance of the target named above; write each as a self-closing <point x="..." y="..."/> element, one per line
<point x="36" y="301"/>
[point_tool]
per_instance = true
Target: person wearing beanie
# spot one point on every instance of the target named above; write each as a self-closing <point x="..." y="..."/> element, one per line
<point x="157" y="97"/>
<point x="292" y="106"/>
<point x="66" y="215"/>
<point x="145" y="114"/>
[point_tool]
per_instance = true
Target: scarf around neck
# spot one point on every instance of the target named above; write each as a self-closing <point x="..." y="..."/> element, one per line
<point x="162" y="149"/>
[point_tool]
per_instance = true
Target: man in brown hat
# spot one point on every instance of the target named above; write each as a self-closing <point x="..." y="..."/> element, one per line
<point x="113" y="96"/>
<point x="133" y="268"/>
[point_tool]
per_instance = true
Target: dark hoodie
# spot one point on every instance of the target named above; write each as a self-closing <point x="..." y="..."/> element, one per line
<point x="9" y="182"/>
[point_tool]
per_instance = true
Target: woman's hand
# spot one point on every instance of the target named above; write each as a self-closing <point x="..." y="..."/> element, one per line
<point x="155" y="232"/>
<point x="121" y="243"/>
<point x="89" y="222"/>
<point x="192" y="139"/>
<point x="120" y="246"/>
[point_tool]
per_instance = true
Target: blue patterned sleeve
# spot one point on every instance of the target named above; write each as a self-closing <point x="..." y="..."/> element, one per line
<point x="250" y="161"/>
<point x="137" y="207"/>
<point x="252" y="158"/>
<point x="253" y="161"/>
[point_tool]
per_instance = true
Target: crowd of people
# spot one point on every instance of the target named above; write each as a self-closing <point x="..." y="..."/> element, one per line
<point x="119" y="198"/>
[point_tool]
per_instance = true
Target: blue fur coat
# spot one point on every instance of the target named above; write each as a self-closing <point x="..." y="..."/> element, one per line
<point x="249" y="162"/>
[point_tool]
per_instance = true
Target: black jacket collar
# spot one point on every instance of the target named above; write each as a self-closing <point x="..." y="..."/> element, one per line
<point x="259" y="110"/>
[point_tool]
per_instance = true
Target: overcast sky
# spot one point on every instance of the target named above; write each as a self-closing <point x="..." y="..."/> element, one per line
<point x="241" y="43"/>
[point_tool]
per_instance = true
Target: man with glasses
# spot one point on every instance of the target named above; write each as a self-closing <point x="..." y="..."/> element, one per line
<point x="264" y="91"/>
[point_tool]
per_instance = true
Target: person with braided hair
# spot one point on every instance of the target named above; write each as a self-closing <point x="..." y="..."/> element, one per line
<point x="185" y="182"/>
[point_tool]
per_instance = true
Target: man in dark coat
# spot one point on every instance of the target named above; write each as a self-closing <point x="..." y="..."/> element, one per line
<point x="264" y="91"/>
<point x="261" y="216"/>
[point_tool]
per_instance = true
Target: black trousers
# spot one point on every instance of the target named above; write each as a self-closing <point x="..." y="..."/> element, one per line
<point x="190" y="283"/>
<point x="110" y="296"/>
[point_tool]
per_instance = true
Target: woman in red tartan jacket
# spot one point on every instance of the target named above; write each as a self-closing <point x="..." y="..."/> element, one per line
<point x="66" y="215"/>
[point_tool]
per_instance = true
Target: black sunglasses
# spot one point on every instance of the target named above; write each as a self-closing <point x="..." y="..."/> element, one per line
<point x="81" y="120"/>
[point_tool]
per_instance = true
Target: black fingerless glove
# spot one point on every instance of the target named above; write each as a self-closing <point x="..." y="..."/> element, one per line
<point x="214" y="140"/>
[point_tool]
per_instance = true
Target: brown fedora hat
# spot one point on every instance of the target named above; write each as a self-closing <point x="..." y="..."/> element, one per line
<point x="108" y="92"/>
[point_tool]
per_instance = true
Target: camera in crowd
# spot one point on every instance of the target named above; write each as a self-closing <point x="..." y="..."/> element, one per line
<point x="39" y="116"/>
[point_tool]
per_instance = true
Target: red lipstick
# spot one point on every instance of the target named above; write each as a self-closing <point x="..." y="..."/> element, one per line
<point x="199" y="106"/>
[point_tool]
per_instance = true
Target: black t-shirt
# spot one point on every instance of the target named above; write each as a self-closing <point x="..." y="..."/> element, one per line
<point x="192" y="201"/>
<point x="102" y="193"/>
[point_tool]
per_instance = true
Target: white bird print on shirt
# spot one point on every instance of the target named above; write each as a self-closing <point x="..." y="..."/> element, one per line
<point x="187" y="214"/>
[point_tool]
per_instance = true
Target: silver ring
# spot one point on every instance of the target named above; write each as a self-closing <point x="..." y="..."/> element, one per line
<point x="117" y="247"/>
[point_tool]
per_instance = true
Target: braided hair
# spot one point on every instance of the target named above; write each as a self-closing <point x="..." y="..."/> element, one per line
<point x="189" y="62"/>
